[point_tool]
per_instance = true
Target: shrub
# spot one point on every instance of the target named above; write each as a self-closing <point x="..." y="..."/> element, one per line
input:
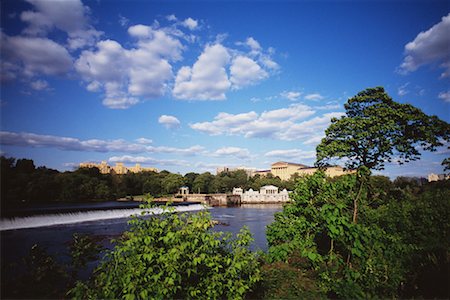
<point x="174" y="256"/>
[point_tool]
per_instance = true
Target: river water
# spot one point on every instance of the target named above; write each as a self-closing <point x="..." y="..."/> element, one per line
<point x="16" y="243"/>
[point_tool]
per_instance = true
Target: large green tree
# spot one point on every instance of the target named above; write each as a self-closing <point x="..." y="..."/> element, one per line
<point x="375" y="129"/>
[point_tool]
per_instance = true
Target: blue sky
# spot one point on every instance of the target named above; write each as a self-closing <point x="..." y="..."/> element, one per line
<point x="189" y="86"/>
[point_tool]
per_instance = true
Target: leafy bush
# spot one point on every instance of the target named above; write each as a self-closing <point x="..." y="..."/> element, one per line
<point x="174" y="256"/>
<point x="353" y="260"/>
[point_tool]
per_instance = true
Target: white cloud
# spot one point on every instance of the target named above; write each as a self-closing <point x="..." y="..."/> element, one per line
<point x="33" y="56"/>
<point x="170" y="122"/>
<point x="25" y="139"/>
<point x="444" y="96"/>
<point x="297" y="154"/>
<point x="233" y="151"/>
<point x="402" y="90"/>
<point x="70" y="16"/>
<point x="253" y="44"/>
<point x="264" y="58"/>
<point x="207" y="79"/>
<point x="39" y="85"/>
<point x="428" y="47"/>
<point x="314" y="96"/>
<point x="143" y="71"/>
<point x="140" y="31"/>
<point x="190" y="23"/>
<point x="172" y="18"/>
<point x="310" y="128"/>
<point x="244" y="71"/>
<point x="225" y="123"/>
<point x="144" y="141"/>
<point x="280" y="124"/>
<point x="148" y="160"/>
<point x="66" y="143"/>
<point x="291" y="95"/>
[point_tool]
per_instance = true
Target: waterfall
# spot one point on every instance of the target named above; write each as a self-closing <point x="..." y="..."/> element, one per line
<point x="84" y="216"/>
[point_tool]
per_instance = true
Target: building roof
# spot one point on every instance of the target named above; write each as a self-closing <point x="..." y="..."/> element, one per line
<point x="267" y="187"/>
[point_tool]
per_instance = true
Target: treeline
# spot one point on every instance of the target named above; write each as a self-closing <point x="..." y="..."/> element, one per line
<point x="24" y="183"/>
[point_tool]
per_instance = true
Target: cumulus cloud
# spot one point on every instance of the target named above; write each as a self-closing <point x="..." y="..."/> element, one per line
<point x="233" y="151"/>
<point x="25" y="139"/>
<point x="281" y="124"/>
<point x="291" y="95"/>
<point x="296" y="154"/>
<point x="190" y="23"/>
<point x="314" y="96"/>
<point x="219" y="69"/>
<point x="70" y="16"/>
<point x="244" y="71"/>
<point x="207" y="79"/>
<point x="31" y="56"/>
<point x="444" y="96"/>
<point x="170" y="122"/>
<point x="431" y="46"/>
<point x="143" y="71"/>
<point x="33" y="53"/>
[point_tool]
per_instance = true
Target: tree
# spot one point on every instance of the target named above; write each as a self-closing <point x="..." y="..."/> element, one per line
<point x="174" y="256"/>
<point x="376" y="129"/>
<point x="172" y="182"/>
<point x="317" y="225"/>
<point x="203" y="183"/>
<point x="189" y="179"/>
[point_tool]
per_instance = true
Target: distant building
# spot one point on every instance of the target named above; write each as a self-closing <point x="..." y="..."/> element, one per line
<point x="262" y="172"/>
<point x="119" y="168"/>
<point x="437" y="177"/>
<point x="267" y="194"/>
<point x="250" y="171"/>
<point x="285" y="170"/>
<point x="184" y="190"/>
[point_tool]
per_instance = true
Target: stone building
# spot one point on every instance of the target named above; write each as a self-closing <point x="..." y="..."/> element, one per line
<point x="285" y="170"/>
<point x="119" y="168"/>
<point x="437" y="177"/>
<point x="267" y="194"/>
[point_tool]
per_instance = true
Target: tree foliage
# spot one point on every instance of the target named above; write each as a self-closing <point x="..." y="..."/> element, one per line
<point x="354" y="260"/>
<point x="174" y="256"/>
<point x="375" y="129"/>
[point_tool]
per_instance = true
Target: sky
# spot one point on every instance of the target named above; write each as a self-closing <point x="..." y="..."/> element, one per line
<point x="193" y="85"/>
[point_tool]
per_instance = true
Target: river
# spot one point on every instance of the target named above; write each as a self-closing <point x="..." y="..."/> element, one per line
<point x="16" y="243"/>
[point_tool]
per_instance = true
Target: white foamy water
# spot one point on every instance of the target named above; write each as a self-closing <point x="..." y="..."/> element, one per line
<point x="85" y="216"/>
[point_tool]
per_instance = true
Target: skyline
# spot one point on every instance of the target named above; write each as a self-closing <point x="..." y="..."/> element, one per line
<point x="198" y="85"/>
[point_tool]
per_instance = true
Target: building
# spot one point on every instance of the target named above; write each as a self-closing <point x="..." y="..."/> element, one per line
<point x="267" y="194"/>
<point x="119" y="168"/>
<point x="285" y="170"/>
<point x="437" y="177"/>
<point x="184" y="190"/>
<point x="250" y="171"/>
<point x="137" y="169"/>
<point x="262" y="172"/>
